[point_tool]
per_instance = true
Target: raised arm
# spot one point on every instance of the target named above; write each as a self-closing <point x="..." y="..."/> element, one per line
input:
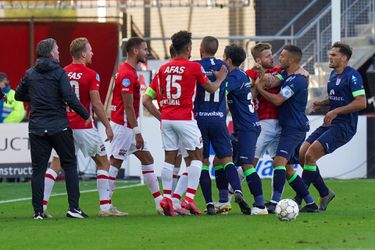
<point x="220" y="75"/>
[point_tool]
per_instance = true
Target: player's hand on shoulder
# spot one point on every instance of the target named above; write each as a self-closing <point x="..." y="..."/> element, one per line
<point x="303" y="72"/>
<point x="221" y="74"/>
<point x="139" y="143"/>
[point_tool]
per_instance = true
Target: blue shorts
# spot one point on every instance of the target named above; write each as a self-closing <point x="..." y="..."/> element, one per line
<point x="332" y="137"/>
<point x="215" y="133"/>
<point x="290" y="143"/>
<point x="243" y="143"/>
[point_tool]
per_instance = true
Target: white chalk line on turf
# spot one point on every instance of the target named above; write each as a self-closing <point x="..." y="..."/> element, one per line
<point x="61" y="194"/>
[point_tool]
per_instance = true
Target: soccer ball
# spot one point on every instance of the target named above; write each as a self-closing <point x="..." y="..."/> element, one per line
<point x="287" y="210"/>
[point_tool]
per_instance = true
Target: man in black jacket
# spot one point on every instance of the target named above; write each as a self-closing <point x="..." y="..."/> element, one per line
<point x="47" y="89"/>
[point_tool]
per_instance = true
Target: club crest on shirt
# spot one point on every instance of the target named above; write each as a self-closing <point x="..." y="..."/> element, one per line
<point x="338" y="81"/>
<point x="126" y="82"/>
<point x="98" y="77"/>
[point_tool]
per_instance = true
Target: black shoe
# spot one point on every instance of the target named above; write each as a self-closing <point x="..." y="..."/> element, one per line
<point x="38" y="216"/>
<point x="245" y="208"/>
<point x="298" y="200"/>
<point x="210" y="209"/>
<point x="311" y="208"/>
<point x="76" y="213"/>
<point x="271" y="207"/>
<point x="324" y="201"/>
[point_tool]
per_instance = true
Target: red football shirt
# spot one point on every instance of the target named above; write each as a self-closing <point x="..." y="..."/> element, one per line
<point x="265" y="109"/>
<point x="126" y="81"/>
<point x="178" y="79"/>
<point x="83" y="80"/>
<point x="154" y="85"/>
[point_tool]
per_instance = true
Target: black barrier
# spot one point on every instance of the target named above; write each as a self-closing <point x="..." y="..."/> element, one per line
<point x="15" y="170"/>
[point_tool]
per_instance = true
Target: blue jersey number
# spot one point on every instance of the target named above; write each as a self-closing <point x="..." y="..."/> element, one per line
<point x="251" y="104"/>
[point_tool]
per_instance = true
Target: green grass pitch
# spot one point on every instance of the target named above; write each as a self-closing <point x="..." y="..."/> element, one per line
<point x="349" y="223"/>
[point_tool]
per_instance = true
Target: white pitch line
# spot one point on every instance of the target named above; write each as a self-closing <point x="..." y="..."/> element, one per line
<point x="61" y="194"/>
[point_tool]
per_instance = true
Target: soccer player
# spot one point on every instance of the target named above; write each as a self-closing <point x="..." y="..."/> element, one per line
<point x="179" y="184"/>
<point x="177" y="80"/>
<point x="267" y="111"/>
<point x="346" y="97"/>
<point x="85" y="83"/>
<point x="210" y="113"/>
<point x="268" y="115"/>
<point x="124" y="113"/>
<point x="291" y="102"/>
<point x="246" y="127"/>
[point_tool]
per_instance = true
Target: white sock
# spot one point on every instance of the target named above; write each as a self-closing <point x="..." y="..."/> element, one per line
<point x="102" y="181"/>
<point x="194" y="173"/>
<point x="113" y="171"/>
<point x="241" y="175"/>
<point x="175" y="177"/>
<point x="181" y="187"/>
<point x="151" y="180"/>
<point x="49" y="182"/>
<point x="167" y="179"/>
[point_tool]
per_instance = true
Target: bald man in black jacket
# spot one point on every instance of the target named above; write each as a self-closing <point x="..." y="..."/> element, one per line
<point x="47" y="89"/>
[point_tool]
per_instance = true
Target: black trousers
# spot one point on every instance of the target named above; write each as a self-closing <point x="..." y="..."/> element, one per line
<point x="41" y="146"/>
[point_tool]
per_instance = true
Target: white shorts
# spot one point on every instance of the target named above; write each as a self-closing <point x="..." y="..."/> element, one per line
<point x="88" y="141"/>
<point x="123" y="143"/>
<point x="180" y="134"/>
<point x="269" y="138"/>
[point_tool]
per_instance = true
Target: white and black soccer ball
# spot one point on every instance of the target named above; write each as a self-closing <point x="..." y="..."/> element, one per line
<point x="287" y="210"/>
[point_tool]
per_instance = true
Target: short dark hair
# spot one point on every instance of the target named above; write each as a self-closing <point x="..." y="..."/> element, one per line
<point x="236" y="53"/>
<point x="172" y="51"/>
<point x="77" y="46"/>
<point x="132" y="43"/>
<point x="210" y="44"/>
<point x="181" y="40"/>
<point x="344" y="49"/>
<point x="295" y="51"/>
<point x="44" y="47"/>
<point x="259" y="48"/>
<point x="3" y="76"/>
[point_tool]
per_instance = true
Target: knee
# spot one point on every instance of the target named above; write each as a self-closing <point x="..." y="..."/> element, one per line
<point x="310" y="157"/>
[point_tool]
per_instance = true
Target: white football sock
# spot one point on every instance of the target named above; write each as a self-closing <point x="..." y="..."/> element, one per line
<point x="167" y="179"/>
<point x="49" y="182"/>
<point x="151" y="180"/>
<point x="102" y="181"/>
<point x="194" y="173"/>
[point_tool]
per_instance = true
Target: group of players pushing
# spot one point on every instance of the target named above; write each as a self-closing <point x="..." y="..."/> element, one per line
<point x="267" y="105"/>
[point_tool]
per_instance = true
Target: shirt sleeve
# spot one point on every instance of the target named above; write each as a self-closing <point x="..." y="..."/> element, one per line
<point x="95" y="81"/>
<point x="356" y="85"/>
<point x="127" y="82"/>
<point x="278" y="74"/>
<point x="152" y="88"/>
<point x="200" y="74"/>
<point x="252" y="74"/>
<point x="293" y="86"/>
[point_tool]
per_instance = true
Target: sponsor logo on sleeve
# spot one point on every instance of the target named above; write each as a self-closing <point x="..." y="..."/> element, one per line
<point x="354" y="79"/>
<point x="97" y="77"/>
<point x="202" y="69"/>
